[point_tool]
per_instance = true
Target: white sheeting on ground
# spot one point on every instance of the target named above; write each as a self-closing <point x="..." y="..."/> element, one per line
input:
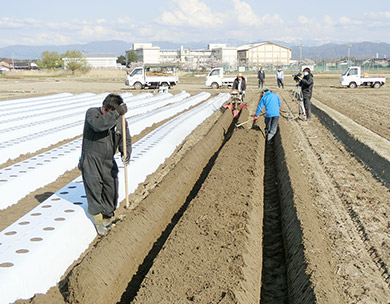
<point x="60" y="226"/>
<point x="30" y="137"/>
<point x="51" y="164"/>
<point x="21" y="101"/>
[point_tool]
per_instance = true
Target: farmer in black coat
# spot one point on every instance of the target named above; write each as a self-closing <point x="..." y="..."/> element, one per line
<point x="102" y="137"/>
<point x="306" y="83"/>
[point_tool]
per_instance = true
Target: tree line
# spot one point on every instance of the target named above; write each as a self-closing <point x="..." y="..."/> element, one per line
<point x="75" y="61"/>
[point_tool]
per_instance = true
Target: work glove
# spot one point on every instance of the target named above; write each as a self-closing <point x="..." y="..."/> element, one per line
<point x="121" y="109"/>
<point x="255" y="117"/>
<point x="126" y="160"/>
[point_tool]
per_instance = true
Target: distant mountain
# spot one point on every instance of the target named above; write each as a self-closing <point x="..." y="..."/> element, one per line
<point x="117" y="47"/>
<point x="361" y="50"/>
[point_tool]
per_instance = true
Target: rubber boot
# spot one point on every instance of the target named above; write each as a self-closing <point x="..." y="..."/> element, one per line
<point x="99" y="224"/>
<point x="107" y="222"/>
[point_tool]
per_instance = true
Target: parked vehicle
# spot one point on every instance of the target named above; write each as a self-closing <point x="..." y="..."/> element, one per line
<point x="352" y="78"/>
<point x="215" y="79"/>
<point x="152" y="76"/>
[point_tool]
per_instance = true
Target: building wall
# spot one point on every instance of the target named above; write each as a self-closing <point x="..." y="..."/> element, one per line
<point x="102" y="62"/>
<point x="98" y="61"/>
<point x="256" y="54"/>
<point x="265" y="53"/>
<point x="169" y="56"/>
<point x="148" y="55"/>
<point x="226" y="55"/>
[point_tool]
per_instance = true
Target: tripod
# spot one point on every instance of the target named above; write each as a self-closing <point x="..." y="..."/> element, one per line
<point x="297" y="97"/>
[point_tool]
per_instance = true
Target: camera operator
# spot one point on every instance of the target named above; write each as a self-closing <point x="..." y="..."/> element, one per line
<point x="306" y="83"/>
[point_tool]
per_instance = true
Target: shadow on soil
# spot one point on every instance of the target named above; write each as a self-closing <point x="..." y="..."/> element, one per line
<point x="369" y="157"/>
<point x="274" y="275"/>
<point x="290" y="281"/>
<point x="136" y="281"/>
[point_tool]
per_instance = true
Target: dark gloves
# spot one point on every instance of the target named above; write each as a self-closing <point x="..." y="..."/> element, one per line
<point x="126" y="159"/>
<point x="121" y="109"/>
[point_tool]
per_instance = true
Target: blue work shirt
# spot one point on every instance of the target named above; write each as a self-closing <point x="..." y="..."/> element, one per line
<point x="271" y="102"/>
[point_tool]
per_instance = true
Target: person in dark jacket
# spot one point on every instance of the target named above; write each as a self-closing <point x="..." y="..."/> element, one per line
<point x="271" y="102"/>
<point x="102" y="137"/>
<point x="240" y="84"/>
<point x="261" y="77"/>
<point x="306" y="83"/>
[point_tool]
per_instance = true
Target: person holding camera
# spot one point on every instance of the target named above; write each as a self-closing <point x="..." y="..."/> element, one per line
<point x="306" y="83"/>
<point x="271" y="102"/>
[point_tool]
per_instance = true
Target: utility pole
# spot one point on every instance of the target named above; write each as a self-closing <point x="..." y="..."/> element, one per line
<point x="300" y="56"/>
<point x="349" y="51"/>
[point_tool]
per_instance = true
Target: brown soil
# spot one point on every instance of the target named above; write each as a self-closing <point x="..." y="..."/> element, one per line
<point x="368" y="107"/>
<point x="227" y="219"/>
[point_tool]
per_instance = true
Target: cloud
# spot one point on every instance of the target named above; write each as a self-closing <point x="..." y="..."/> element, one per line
<point x="329" y="21"/>
<point x="348" y="22"/>
<point x="196" y="20"/>
<point x="272" y="20"/>
<point x="14" y="23"/>
<point x="245" y="13"/>
<point x="379" y="15"/>
<point x="192" y="13"/>
<point x="303" y="20"/>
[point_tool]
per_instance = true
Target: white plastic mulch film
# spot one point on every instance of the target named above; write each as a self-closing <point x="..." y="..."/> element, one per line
<point x="51" y="164"/>
<point x="53" y="235"/>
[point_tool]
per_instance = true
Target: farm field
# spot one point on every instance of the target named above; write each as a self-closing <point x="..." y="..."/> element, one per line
<point x="227" y="219"/>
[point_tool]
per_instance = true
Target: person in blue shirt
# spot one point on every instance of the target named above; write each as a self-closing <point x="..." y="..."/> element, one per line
<point x="271" y="102"/>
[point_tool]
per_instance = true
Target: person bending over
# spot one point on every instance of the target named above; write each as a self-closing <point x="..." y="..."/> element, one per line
<point x="271" y="102"/>
<point x="102" y="136"/>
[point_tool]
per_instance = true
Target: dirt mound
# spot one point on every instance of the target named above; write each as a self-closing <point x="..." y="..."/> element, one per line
<point x="216" y="246"/>
<point x="197" y="232"/>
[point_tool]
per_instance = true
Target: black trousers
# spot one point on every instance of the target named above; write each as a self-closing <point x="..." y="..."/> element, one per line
<point x="100" y="179"/>
<point x="307" y="104"/>
<point x="280" y="83"/>
<point x="271" y="126"/>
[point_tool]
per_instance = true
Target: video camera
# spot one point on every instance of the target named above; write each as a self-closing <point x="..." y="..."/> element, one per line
<point x="297" y="77"/>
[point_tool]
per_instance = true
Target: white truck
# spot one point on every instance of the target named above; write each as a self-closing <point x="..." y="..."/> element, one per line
<point x="352" y="78"/>
<point x="215" y="79"/>
<point x="152" y="76"/>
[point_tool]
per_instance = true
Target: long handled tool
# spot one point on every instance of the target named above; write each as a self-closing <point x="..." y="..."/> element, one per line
<point x="249" y="120"/>
<point x="125" y="156"/>
<point x="243" y="123"/>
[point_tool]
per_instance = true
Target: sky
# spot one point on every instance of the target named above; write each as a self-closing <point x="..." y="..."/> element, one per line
<point x="48" y="22"/>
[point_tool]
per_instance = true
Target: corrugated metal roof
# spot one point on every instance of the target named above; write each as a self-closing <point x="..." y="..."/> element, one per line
<point x="246" y="47"/>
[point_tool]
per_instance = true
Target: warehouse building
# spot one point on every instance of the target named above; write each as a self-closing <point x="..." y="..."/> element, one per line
<point x="263" y="53"/>
<point x="250" y="55"/>
<point x="97" y="61"/>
